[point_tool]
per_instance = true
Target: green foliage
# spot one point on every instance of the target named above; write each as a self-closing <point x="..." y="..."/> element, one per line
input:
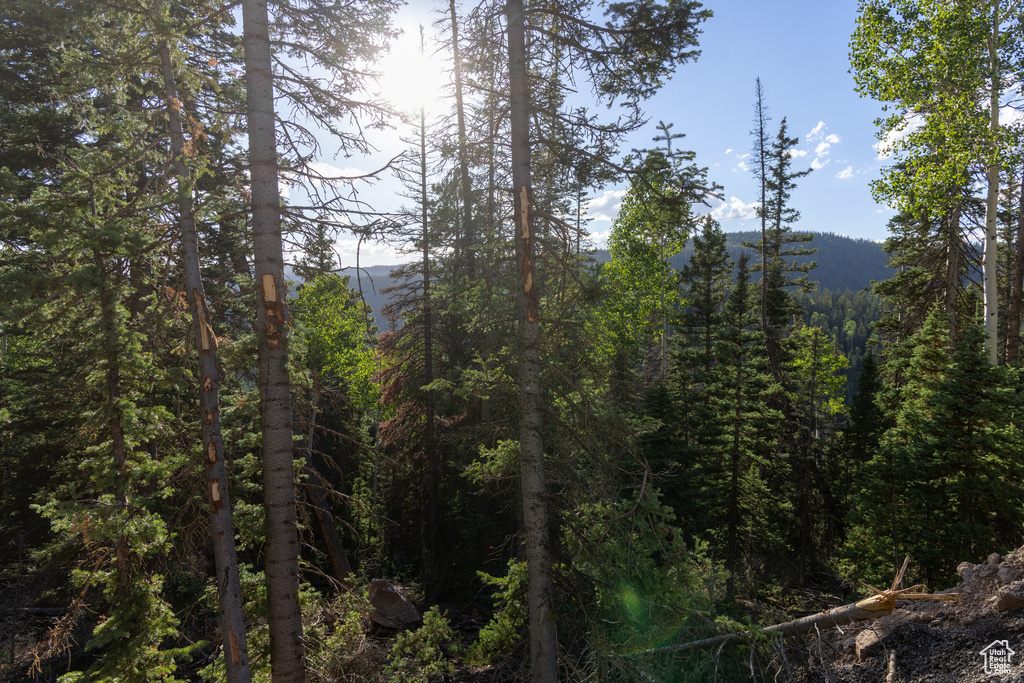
<point x="938" y="488"/>
<point x="653" y="225"/>
<point x="424" y="654"/>
<point x="504" y="632"/>
<point x="334" y="321"/>
<point x="927" y="61"/>
<point x="500" y="463"/>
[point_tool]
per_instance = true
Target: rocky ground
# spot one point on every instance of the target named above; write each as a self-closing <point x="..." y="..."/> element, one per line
<point x="932" y="641"/>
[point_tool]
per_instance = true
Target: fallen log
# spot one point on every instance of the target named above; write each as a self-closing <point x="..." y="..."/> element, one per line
<point x="882" y="603"/>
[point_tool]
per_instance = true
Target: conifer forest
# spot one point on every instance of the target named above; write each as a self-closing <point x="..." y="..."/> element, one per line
<point x="228" y="455"/>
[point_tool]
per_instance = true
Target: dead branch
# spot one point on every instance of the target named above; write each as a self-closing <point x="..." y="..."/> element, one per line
<point x="882" y="603"/>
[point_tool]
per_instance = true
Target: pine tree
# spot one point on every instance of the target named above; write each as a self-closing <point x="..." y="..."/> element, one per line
<point x="886" y="520"/>
<point x="815" y="395"/>
<point x="742" y="395"/>
<point x="778" y="306"/>
<point x="970" y="452"/>
<point x="649" y="40"/>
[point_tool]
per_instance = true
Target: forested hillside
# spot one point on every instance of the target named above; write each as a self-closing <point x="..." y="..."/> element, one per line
<point x="214" y="466"/>
<point x="843" y="263"/>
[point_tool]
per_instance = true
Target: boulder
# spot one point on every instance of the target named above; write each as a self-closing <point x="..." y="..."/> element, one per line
<point x="390" y="609"/>
<point x="1008" y="597"/>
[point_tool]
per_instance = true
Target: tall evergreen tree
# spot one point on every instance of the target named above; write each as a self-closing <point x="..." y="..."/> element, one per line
<point x="778" y="306"/>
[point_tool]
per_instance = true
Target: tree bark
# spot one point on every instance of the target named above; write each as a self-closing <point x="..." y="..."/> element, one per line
<point x="952" y="280"/>
<point x="468" y="228"/>
<point x="321" y="509"/>
<point x="991" y="255"/>
<point x="229" y="591"/>
<point x="432" y="478"/>
<point x="761" y="173"/>
<point x="1016" y="285"/>
<point x="282" y="543"/>
<point x="543" y="643"/>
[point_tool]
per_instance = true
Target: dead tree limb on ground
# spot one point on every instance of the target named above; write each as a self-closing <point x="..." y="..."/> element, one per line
<point x="882" y="603"/>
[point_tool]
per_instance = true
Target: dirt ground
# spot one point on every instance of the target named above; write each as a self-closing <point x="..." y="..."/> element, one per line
<point x="939" y="642"/>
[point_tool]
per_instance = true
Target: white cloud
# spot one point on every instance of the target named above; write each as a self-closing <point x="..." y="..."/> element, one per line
<point x="886" y="145"/>
<point x="370" y="254"/>
<point x="797" y="153"/>
<point x="846" y="173"/>
<point x="729" y="151"/>
<point x="1010" y="116"/>
<point x="742" y="166"/>
<point x="600" y="238"/>
<point x="335" y="172"/>
<point x="816" y="132"/>
<point x="734" y="209"/>
<point x="605" y="207"/>
<point x="825" y="140"/>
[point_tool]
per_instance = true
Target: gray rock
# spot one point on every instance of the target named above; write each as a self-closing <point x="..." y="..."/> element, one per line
<point x="1009" y="597"/>
<point x="391" y="609"/>
<point x="1008" y="573"/>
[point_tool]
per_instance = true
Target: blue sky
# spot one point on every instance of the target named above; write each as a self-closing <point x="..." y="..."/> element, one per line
<point x="799" y="49"/>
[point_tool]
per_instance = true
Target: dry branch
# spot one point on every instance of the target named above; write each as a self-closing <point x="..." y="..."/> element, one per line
<point x="882" y="603"/>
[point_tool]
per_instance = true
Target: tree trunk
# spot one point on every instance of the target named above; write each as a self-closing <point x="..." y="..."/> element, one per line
<point x="468" y="228"/>
<point x="321" y="509"/>
<point x="761" y="172"/>
<point x="543" y="643"/>
<point x="991" y="256"/>
<point x="952" y="282"/>
<point x="1016" y="285"/>
<point x="431" y="480"/>
<point x="229" y="591"/>
<point x="282" y="544"/>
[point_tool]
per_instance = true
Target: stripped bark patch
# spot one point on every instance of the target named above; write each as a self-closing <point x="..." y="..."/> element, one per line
<point x="273" y="308"/>
<point x="532" y="314"/>
<point x="215" y="501"/>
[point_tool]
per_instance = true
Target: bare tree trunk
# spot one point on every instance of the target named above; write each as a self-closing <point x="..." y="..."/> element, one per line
<point x="431" y="480"/>
<point x="761" y="173"/>
<point x="229" y="591"/>
<point x="321" y="509"/>
<point x="543" y="643"/>
<point x="468" y="228"/>
<point x="952" y="282"/>
<point x="991" y="256"/>
<point x="1016" y="284"/>
<point x="282" y="544"/>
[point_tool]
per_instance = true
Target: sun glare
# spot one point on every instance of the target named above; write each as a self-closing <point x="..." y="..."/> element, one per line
<point x="409" y="80"/>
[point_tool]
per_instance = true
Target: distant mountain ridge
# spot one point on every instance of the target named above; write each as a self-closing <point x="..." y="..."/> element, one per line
<point x="843" y="263"/>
